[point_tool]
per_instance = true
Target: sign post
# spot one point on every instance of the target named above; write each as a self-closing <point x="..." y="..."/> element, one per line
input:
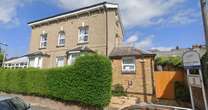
<point x="191" y="61"/>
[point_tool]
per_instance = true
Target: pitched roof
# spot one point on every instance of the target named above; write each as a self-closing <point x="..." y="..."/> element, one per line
<point x="37" y="53"/>
<point x="128" y="51"/>
<point x="107" y="4"/>
<point x="81" y="49"/>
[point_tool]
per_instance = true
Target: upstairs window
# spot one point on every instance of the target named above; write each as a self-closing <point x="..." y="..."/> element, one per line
<point x="128" y="65"/>
<point x="43" y="41"/>
<point x="83" y="34"/>
<point x="61" y="39"/>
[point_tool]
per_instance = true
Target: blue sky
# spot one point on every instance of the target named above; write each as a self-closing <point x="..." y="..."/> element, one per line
<point x="160" y="24"/>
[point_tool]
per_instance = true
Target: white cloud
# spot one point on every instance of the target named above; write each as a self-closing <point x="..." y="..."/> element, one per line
<point x="184" y="17"/>
<point x="134" y="12"/>
<point x="8" y="10"/>
<point x="145" y="43"/>
<point x="132" y="38"/>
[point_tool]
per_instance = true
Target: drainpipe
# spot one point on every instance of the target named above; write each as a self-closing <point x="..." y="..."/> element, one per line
<point x="106" y="15"/>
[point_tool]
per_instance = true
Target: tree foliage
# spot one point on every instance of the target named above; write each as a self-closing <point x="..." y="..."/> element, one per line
<point x="174" y="62"/>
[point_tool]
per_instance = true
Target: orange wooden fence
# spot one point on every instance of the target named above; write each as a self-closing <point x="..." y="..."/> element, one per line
<point x="164" y="82"/>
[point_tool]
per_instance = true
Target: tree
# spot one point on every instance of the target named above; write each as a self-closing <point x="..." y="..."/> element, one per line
<point x="1" y="58"/>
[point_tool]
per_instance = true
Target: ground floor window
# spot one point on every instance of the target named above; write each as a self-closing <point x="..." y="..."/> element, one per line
<point x="128" y="64"/>
<point x="60" y="61"/>
<point x="35" y="62"/>
<point x="72" y="57"/>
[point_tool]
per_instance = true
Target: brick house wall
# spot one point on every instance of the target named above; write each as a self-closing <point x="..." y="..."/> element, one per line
<point x="142" y="80"/>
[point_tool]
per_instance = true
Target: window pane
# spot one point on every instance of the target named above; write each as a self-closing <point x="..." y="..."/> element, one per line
<point x="83" y="37"/>
<point x="128" y="67"/>
<point x="60" y="61"/>
<point x="128" y="61"/>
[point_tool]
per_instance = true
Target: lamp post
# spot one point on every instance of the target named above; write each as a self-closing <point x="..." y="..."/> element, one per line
<point x="4" y="44"/>
<point x="204" y="18"/>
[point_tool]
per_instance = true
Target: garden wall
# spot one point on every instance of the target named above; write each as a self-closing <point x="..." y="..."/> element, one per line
<point x="164" y="83"/>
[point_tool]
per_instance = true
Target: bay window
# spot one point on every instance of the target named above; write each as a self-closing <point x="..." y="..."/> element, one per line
<point x="72" y="57"/>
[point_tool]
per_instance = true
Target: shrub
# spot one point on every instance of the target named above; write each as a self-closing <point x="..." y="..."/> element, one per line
<point x="87" y="81"/>
<point x="169" y="63"/>
<point x="181" y="92"/>
<point x="118" y="90"/>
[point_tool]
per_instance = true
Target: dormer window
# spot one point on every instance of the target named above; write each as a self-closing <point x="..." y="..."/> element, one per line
<point x="61" y="38"/>
<point x="43" y="40"/>
<point x="83" y="34"/>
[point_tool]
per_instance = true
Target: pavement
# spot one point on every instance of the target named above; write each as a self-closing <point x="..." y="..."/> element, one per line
<point x="39" y="108"/>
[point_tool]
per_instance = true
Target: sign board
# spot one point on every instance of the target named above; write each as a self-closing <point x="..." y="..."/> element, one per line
<point x="191" y="59"/>
<point x="194" y="80"/>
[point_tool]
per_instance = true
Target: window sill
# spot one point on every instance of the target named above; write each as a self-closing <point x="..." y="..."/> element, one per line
<point x="81" y="43"/>
<point x="42" y="48"/>
<point x="128" y="72"/>
<point x="59" y="46"/>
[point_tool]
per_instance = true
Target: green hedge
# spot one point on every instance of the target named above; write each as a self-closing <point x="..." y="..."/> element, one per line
<point x="87" y="81"/>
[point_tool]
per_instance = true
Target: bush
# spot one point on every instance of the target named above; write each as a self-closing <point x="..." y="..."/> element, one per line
<point x="118" y="90"/>
<point x="181" y="92"/>
<point x="169" y="63"/>
<point x="87" y="81"/>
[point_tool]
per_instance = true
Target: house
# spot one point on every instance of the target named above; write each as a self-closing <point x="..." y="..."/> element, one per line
<point x="16" y="62"/>
<point x="179" y="51"/>
<point x="58" y="40"/>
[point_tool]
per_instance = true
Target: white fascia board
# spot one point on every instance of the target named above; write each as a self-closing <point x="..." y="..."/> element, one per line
<point x="73" y="52"/>
<point x="111" y="5"/>
<point x="74" y="13"/>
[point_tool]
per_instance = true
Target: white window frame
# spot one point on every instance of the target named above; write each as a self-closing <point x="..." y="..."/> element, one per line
<point x="69" y="62"/>
<point x="57" y="61"/>
<point x="61" y="36"/>
<point x="83" y="35"/>
<point x="133" y="64"/>
<point x="42" y="41"/>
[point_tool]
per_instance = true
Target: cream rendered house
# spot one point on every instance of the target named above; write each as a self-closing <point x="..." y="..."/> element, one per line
<point x="58" y="40"/>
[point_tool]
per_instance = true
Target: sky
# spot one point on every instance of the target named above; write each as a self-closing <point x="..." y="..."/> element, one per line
<point x="148" y="24"/>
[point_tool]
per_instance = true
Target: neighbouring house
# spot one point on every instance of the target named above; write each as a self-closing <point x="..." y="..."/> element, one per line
<point x="58" y="40"/>
<point x="16" y="62"/>
<point x="179" y="51"/>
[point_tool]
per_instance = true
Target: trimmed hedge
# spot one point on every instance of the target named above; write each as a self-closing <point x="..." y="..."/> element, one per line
<point x="87" y="81"/>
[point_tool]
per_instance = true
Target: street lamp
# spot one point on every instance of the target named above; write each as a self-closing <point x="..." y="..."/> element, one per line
<point x="4" y="44"/>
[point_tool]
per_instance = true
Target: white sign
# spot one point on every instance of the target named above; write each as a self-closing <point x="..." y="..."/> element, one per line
<point x="191" y="59"/>
<point x="194" y="80"/>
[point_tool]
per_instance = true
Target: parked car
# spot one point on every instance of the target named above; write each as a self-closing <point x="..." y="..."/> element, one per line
<point x="13" y="103"/>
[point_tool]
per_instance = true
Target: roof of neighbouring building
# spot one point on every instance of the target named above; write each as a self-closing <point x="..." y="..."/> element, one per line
<point x="17" y="60"/>
<point x="106" y="4"/>
<point x="128" y="51"/>
<point x="179" y="51"/>
<point x="81" y="49"/>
